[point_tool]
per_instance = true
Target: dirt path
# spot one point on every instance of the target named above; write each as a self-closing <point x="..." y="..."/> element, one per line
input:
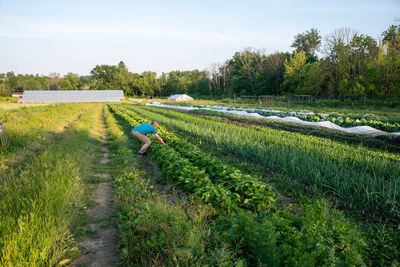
<point x="100" y="248"/>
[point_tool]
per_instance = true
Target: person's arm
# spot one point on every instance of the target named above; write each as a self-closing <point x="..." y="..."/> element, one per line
<point x="159" y="138"/>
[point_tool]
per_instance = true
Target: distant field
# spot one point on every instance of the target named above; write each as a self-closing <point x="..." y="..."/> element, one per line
<point x="383" y="112"/>
<point x="8" y="106"/>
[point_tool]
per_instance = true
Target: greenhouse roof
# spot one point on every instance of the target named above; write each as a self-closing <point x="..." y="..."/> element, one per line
<point x="73" y="96"/>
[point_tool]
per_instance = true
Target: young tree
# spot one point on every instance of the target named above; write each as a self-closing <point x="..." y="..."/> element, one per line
<point x="309" y="43"/>
<point x="213" y="72"/>
<point x="295" y="70"/>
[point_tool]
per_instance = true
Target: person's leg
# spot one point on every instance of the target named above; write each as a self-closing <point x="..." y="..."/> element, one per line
<point x="144" y="139"/>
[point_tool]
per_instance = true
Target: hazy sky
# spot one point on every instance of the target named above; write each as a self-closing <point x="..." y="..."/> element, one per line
<point x="75" y="36"/>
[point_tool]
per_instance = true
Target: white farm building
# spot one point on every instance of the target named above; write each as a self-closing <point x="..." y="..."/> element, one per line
<point x="180" y="97"/>
<point x="72" y="96"/>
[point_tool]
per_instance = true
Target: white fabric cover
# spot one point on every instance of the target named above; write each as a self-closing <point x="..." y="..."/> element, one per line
<point x="180" y="97"/>
<point x="361" y="130"/>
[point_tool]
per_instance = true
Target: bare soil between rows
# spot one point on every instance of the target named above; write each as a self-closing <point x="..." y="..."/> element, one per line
<point x="100" y="249"/>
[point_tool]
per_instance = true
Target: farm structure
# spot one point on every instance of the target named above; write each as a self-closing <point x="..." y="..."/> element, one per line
<point x="17" y="94"/>
<point x="180" y="97"/>
<point x="69" y="96"/>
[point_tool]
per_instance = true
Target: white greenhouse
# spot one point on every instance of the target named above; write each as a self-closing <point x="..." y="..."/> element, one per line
<point x="180" y="97"/>
<point x="68" y="96"/>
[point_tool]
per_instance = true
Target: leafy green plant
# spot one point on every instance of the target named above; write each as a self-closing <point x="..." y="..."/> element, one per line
<point x="360" y="178"/>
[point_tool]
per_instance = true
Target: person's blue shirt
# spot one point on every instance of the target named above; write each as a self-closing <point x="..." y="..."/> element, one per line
<point x="145" y="128"/>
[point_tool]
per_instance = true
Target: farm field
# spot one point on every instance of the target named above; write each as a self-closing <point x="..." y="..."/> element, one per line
<point x="386" y="121"/>
<point x="219" y="194"/>
<point x="380" y="110"/>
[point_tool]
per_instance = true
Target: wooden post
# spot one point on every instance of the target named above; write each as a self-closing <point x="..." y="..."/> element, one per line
<point x="3" y="134"/>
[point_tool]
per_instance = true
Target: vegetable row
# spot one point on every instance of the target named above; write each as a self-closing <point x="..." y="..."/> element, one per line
<point x="365" y="180"/>
<point x="315" y="236"/>
<point x="195" y="171"/>
<point x="344" y="120"/>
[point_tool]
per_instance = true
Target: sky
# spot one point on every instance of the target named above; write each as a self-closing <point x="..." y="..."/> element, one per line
<point x="39" y="37"/>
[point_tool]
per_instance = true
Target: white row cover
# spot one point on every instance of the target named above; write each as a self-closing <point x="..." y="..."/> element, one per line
<point x="135" y="100"/>
<point x="180" y="97"/>
<point x="362" y="130"/>
<point x="68" y="96"/>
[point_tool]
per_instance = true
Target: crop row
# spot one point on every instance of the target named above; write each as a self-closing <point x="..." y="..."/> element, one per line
<point x="152" y="229"/>
<point x="345" y="121"/>
<point x="339" y="119"/>
<point x="363" y="179"/>
<point x="255" y="194"/>
<point x="316" y="236"/>
<point x="195" y="171"/>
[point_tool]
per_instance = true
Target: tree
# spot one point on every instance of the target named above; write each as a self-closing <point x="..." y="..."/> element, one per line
<point x="244" y="66"/>
<point x="309" y="43"/>
<point x="151" y="79"/>
<point x="295" y="70"/>
<point x="270" y="76"/>
<point x="111" y="77"/>
<point x="162" y="82"/>
<point x="71" y="81"/>
<point x="52" y="81"/>
<point x="391" y="39"/>
<point x="30" y="83"/>
<point x="314" y="78"/>
<point x="339" y="61"/>
<point x="213" y="72"/>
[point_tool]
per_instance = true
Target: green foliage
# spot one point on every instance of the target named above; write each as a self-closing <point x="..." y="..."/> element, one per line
<point x="110" y="77"/>
<point x="27" y="125"/>
<point x="362" y="179"/>
<point x="306" y="239"/>
<point x="317" y="237"/>
<point x="159" y="229"/>
<point x="353" y="64"/>
<point x="308" y="43"/>
<point x="223" y="186"/>
<point x="295" y="70"/>
<point x="39" y="202"/>
<point x="155" y="232"/>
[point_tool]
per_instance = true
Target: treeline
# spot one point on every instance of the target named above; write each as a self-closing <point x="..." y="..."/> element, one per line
<point x="344" y="63"/>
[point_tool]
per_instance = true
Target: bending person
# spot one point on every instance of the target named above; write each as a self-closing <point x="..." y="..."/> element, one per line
<point x="140" y="133"/>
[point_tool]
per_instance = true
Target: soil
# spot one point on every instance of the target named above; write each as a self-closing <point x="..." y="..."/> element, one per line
<point x="100" y="249"/>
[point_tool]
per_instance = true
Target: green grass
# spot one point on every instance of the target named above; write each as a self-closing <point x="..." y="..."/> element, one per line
<point x="28" y="125"/>
<point x="39" y="205"/>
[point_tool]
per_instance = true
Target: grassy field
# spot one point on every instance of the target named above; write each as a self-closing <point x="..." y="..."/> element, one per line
<point x="40" y="199"/>
<point x="219" y="194"/>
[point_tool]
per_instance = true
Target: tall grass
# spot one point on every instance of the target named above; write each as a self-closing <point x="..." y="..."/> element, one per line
<point x="361" y="178"/>
<point x="26" y="125"/>
<point x="38" y="205"/>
